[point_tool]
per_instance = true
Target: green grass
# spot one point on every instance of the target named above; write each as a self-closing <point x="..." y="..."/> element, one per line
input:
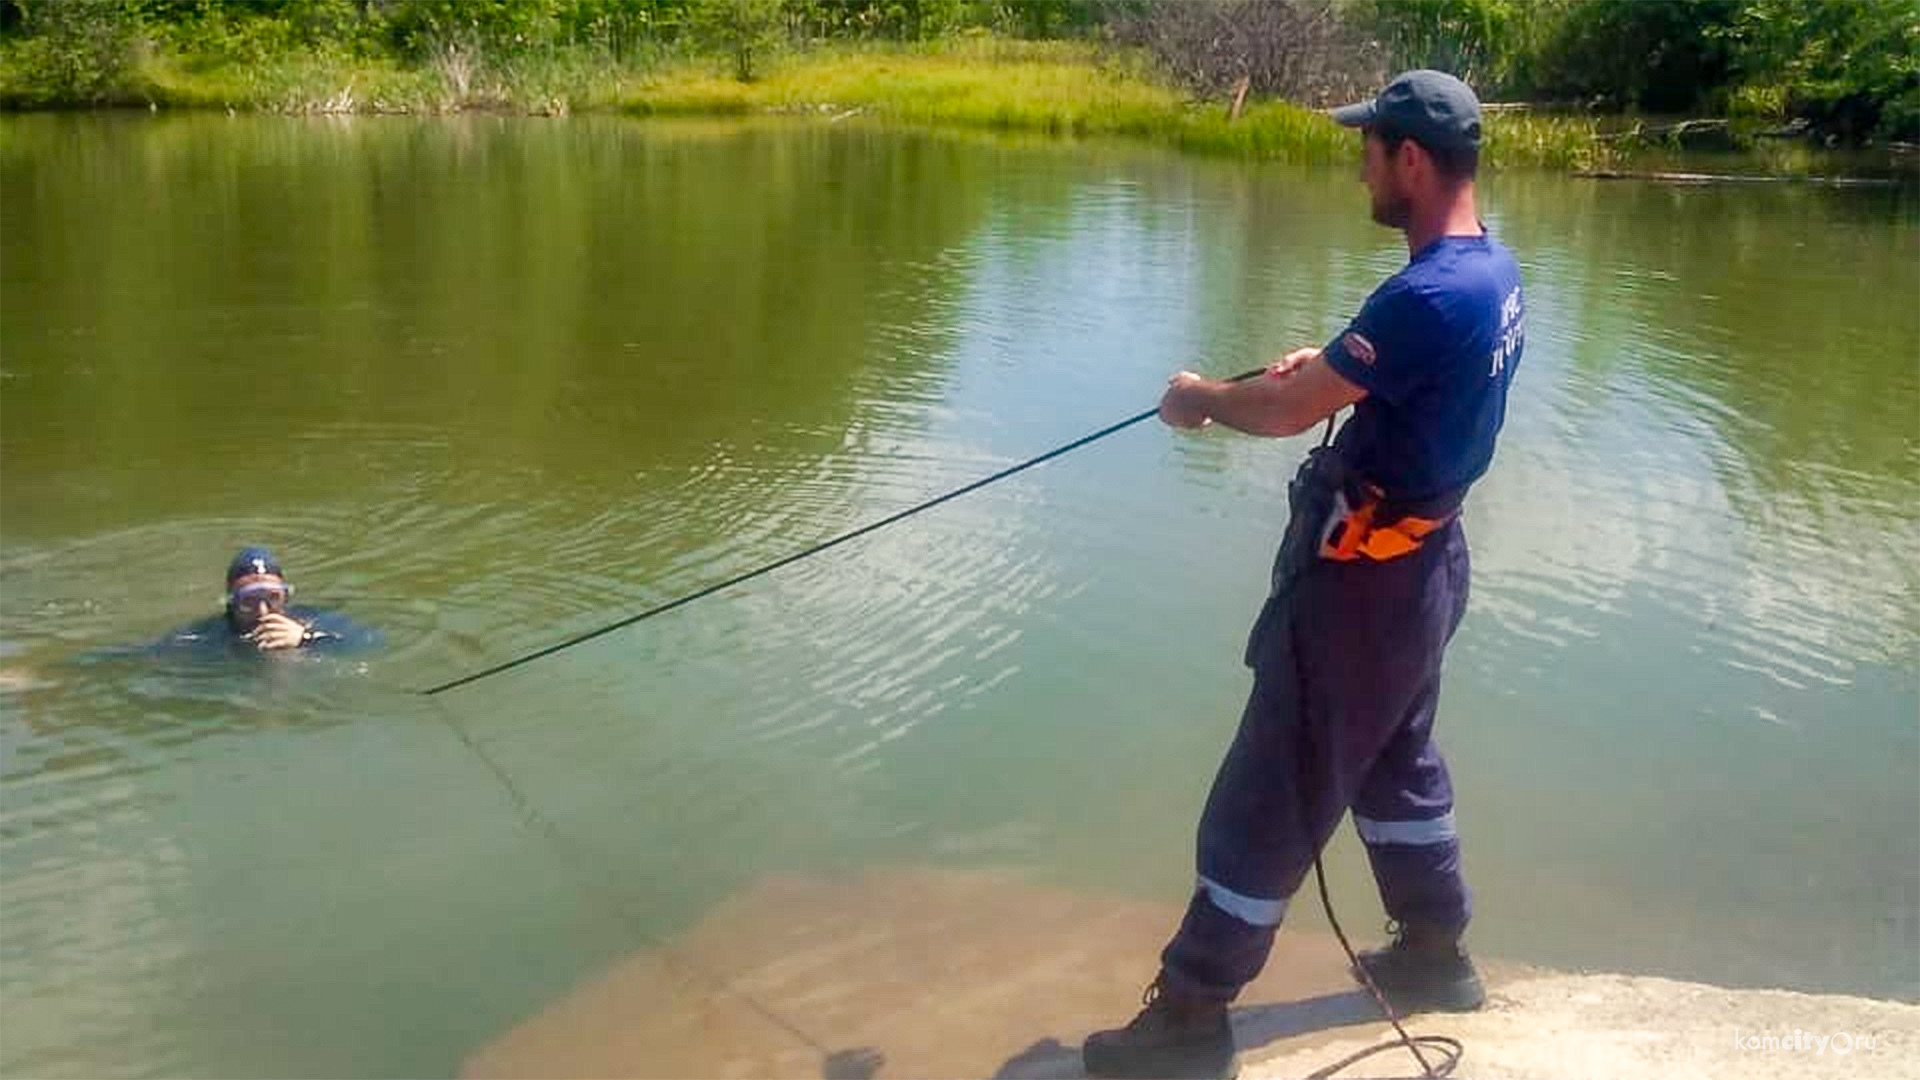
<point x="1058" y="88"/>
<point x="1051" y="87"/>
<point x="1542" y="139"/>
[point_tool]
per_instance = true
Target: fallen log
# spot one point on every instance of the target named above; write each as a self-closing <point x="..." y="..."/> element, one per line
<point x="1731" y="178"/>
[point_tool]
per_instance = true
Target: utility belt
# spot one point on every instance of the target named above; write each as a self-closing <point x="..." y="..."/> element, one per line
<point x="1339" y="516"/>
<point x="1366" y="526"/>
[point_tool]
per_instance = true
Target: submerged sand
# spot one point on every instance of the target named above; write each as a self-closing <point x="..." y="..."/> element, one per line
<point x="928" y="973"/>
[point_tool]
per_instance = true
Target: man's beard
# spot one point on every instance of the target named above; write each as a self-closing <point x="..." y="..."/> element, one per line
<point x="1392" y="209"/>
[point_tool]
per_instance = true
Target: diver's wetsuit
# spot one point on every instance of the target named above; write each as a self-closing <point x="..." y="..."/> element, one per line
<point x="327" y="630"/>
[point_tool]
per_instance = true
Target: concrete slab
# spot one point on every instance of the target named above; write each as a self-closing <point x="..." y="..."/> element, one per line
<point x="1603" y="1027"/>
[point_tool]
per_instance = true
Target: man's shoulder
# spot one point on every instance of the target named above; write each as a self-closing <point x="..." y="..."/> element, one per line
<point x="1406" y="300"/>
<point x="214" y="630"/>
<point x="1462" y="278"/>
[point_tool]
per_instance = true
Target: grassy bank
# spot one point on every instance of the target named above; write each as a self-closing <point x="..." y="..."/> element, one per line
<point x="1062" y="88"/>
<point x="1052" y="87"/>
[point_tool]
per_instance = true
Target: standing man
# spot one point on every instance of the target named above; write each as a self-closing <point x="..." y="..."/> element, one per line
<point x="1369" y="584"/>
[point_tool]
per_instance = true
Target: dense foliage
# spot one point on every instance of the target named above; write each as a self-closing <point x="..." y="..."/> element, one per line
<point x="1849" y="68"/>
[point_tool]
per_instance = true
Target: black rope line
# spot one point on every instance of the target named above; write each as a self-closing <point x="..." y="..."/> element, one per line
<point x="1451" y="1049"/>
<point x="534" y="820"/>
<point x="586" y="865"/>
<point x="874" y="526"/>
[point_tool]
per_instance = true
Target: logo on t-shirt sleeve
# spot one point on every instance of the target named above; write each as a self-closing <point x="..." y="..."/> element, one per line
<point x="1513" y="315"/>
<point x="1358" y="347"/>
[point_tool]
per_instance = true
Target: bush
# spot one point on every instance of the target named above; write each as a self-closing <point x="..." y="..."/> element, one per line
<point x="744" y="31"/>
<point x="1662" y="57"/>
<point x="1297" y="49"/>
<point x="78" y="51"/>
<point x="425" y="29"/>
<point x="1756" y="102"/>
<point x="1477" y="40"/>
<point x="1850" y="68"/>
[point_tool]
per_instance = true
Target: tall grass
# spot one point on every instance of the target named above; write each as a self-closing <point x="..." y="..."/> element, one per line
<point x="1059" y="88"/>
<point x="1546" y="140"/>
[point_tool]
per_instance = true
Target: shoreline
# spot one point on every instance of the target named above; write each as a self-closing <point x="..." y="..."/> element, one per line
<point x="1059" y="89"/>
<point x="1834" y="170"/>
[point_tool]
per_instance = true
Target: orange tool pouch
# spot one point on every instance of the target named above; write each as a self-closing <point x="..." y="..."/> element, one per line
<point x="1366" y="531"/>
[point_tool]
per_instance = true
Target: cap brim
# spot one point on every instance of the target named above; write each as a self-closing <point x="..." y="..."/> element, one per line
<point x="1359" y="114"/>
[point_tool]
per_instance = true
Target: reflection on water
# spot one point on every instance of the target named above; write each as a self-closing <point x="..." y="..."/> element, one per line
<point x="487" y="383"/>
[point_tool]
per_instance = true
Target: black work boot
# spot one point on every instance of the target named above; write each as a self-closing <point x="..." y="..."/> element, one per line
<point x="1424" y="971"/>
<point x="1174" y="1036"/>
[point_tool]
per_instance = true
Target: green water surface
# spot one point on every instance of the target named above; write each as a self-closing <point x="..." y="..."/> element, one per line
<point x="485" y="383"/>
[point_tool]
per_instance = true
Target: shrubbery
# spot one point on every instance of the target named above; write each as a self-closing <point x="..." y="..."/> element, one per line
<point x="80" y="51"/>
<point x="1850" y="68"/>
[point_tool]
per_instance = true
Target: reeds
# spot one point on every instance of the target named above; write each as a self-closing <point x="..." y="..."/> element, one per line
<point x="1061" y="88"/>
<point x="1064" y="89"/>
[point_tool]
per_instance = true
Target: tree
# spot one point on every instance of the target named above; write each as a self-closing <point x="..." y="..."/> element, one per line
<point x="1298" y="49"/>
<point x="744" y="30"/>
<point x="79" y="50"/>
<point x="1851" y="67"/>
<point x="1663" y="57"/>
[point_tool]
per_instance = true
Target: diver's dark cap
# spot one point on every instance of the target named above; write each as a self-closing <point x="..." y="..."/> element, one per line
<point x="1432" y="108"/>
<point x="252" y="561"/>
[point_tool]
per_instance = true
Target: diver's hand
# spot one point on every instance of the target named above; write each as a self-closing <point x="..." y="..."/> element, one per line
<point x="278" y="631"/>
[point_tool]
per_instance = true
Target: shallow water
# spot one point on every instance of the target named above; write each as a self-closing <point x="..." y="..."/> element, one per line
<point x="486" y="383"/>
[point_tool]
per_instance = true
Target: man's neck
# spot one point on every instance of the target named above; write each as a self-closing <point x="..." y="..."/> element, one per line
<point x="1452" y="215"/>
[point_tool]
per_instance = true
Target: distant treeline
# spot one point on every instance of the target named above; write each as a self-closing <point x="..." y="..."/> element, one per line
<point x="1844" y="68"/>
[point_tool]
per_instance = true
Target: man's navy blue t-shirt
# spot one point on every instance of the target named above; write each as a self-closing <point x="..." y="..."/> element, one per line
<point x="1435" y="347"/>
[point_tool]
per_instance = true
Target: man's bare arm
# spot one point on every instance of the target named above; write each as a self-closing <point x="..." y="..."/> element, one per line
<point x="1297" y="392"/>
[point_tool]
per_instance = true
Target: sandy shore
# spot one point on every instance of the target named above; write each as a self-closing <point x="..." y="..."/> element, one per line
<point x="920" y="973"/>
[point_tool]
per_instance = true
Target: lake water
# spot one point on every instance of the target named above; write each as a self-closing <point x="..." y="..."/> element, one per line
<point x="486" y="383"/>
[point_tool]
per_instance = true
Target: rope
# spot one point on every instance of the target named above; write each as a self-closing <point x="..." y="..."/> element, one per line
<point x="1450" y="1049"/>
<point x="534" y="820"/>
<point x="874" y="526"/>
<point x="585" y="865"/>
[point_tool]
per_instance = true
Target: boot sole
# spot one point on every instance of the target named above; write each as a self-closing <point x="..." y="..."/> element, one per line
<point x="1228" y="1070"/>
<point x="1438" y="995"/>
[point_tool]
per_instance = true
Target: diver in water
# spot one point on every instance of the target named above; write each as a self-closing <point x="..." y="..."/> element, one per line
<point x="259" y="618"/>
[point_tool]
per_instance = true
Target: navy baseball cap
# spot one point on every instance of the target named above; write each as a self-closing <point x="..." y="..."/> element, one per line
<point x="252" y="561"/>
<point x="1432" y="108"/>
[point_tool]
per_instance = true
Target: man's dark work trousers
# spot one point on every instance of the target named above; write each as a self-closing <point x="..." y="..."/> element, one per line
<point x="1346" y="661"/>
